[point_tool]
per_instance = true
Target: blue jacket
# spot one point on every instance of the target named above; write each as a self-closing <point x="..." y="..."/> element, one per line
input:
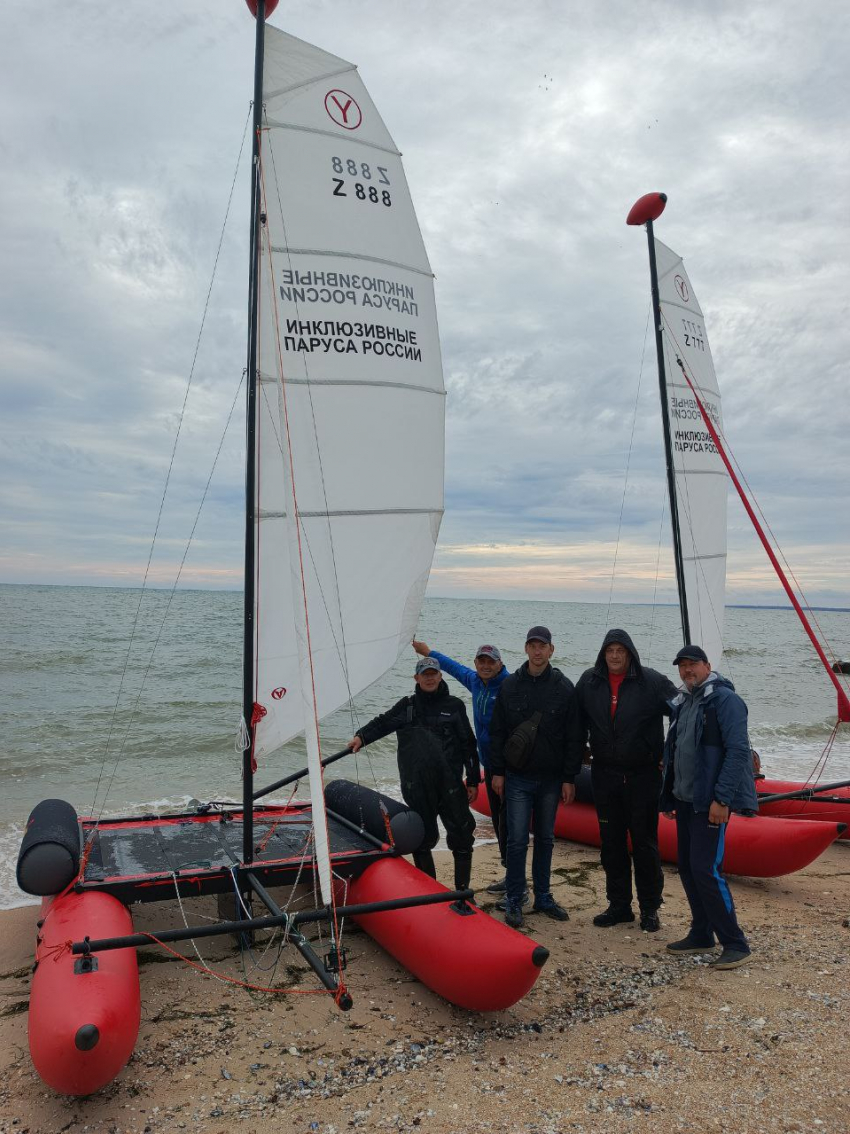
<point x="725" y="763"/>
<point x="483" y="699"/>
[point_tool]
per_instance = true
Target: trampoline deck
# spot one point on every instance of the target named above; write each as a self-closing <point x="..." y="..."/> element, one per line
<point x="144" y="858"/>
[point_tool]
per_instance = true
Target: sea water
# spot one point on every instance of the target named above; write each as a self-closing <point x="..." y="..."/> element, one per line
<point x="116" y="726"/>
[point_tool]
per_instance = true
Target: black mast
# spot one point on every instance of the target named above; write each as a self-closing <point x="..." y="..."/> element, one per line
<point x="250" y="448"/>
<point x="668" y="444"/>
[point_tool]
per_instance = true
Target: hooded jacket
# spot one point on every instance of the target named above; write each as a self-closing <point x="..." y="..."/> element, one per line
<point x="633" y="739"/>
<point x="557" y="750"/>
<point x="724" y="771"/>
<point x="440" y="713"/>
<point x="483" y="698"/>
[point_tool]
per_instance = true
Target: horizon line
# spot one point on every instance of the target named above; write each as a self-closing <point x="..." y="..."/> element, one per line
<point x="440" y="598"/>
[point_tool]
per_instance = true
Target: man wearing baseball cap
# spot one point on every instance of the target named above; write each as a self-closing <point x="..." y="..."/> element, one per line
<point x="535" y="755"/>
<point x="483" y="682"/>
<point x="436" y="746"/>
<point x="708" y="774"/>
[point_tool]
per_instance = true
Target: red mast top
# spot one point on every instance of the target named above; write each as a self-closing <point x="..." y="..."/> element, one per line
<point x="647" y="208"/>
<point x="270" y="7"/>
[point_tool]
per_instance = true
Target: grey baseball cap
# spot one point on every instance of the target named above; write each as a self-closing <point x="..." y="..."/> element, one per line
<point x="488" y="652"/>
<point x="428" y="663"/>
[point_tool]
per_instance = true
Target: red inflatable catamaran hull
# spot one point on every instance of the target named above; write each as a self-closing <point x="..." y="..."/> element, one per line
<point x="831" y="812"/>
<point x="468" y="958"/>
<point x="757" y="847"/>
<point x="83" y="1025"/>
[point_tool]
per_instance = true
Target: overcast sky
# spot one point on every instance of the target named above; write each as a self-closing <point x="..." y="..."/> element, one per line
<point x="528" y="131"/>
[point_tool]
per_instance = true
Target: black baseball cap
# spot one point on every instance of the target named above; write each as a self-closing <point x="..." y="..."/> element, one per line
<point x="539" y="634"/>
<point x="691" y="653"/>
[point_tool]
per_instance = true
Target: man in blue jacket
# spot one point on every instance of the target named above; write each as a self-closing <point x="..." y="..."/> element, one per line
<point x="483" y="683"/>
<point x="708" y="774"/>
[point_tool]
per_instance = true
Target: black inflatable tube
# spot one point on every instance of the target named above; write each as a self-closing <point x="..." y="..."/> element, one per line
<point x="49" y="858"/>
<point x="363" y="807"/>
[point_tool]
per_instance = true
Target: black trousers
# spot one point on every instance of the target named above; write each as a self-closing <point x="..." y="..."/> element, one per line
<point x="700" y="846"/>
<point x="627" y="808"/>
<point x="431" y="787"/>
<point x="498" y="815"/>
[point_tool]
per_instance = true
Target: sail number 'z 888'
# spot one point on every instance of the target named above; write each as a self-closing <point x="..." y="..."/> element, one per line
<point x="363" y="172"/>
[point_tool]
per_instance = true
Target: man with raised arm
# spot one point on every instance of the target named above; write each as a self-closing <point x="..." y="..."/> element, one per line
<point x="483" y="683"/>
<point x="708" y="774"/>
<point x="535" y="756"/>
<point x="622" y="706"/>
<point x="436" y="747"/>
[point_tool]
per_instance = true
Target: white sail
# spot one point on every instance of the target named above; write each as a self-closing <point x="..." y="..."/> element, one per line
<point x="350" y="398"/>
<point x="701" y="484"/>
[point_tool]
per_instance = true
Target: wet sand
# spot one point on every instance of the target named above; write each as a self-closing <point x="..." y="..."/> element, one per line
<point x="616" y="1035"/>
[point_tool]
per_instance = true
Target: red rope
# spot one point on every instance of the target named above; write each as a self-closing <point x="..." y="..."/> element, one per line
<point x="232" y="980"/>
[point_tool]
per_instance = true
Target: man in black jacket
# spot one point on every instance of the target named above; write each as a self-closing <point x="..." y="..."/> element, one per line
<point x="436" y="746"/>
<point x="623" y="705"/>
<point x="535" y="755"/>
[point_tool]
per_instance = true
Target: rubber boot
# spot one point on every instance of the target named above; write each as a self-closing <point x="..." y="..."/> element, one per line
<point x="463" y="872"/>
<point x="463" y="869"/>
<point x="423" y="860"/>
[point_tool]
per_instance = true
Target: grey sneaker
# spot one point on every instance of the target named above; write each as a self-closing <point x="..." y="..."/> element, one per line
<point x="514" y="918"/>
<point x="497" y="887"/>
<point x="553" y="910"/>
<point x="731" y="959"/>
<point x="688" y="945"/>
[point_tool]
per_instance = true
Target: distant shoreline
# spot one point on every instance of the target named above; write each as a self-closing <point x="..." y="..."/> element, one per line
<point x="441" y="598"/>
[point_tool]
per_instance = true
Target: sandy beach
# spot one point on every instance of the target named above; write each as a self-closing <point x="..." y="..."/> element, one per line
<point x="616" y="1035"/>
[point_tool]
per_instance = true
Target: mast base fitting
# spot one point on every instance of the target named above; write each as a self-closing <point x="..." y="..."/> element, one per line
<point x="336" y="960"/>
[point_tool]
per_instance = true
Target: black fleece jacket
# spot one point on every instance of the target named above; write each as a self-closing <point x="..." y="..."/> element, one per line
<point x="633" y="739"/>
<point x="440" y="713"/>
<point x="557" y="747"/>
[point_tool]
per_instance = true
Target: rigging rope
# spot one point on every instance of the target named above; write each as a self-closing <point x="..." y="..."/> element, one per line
<point x="165" y="491"/>
<point x="340" y="648"/>
<point x="626" y="479"/>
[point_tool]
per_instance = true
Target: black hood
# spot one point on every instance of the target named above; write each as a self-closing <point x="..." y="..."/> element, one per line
<point x="620" y="638"/>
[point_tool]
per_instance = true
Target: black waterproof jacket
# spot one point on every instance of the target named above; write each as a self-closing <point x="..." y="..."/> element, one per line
<point x="633" y="739"/>
<point x="557" y="750"/>
<point x="440" y="713"/>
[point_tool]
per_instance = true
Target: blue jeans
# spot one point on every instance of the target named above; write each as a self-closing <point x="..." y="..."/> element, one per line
<point x="530" y="803"/>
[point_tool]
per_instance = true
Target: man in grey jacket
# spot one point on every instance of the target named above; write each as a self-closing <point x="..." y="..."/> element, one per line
<point x="708" y="774"/>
